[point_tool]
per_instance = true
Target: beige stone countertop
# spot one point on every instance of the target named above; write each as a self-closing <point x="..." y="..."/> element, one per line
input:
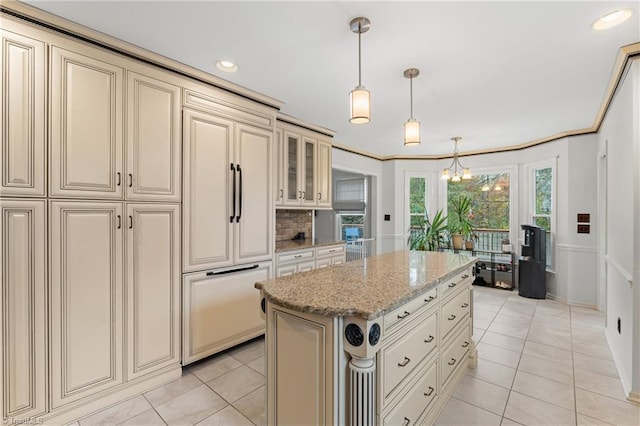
<point x="366" y="288"/>
<point x="290" y="245"/>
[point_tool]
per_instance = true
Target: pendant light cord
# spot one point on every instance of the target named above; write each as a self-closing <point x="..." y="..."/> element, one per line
<point x="359" y="54"/>
<point x="411" y="95"/>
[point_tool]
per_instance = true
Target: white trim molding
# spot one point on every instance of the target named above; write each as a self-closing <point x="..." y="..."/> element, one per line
<point x="620" y="269"/>
<point x="576" y="248"/>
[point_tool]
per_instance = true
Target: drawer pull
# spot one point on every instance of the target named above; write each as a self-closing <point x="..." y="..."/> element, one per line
<point x="406" y="422"/>
<point x="464" y="305"/>
<point x="452" y="317"/>
<point x="465" y="276"/>
<point x="431" y="389"/>
<point x="453" y="361"/>
<point x="429" y="340"/>
<point x="297" y="256"/>
<point x="452" y="285"/>
<point x="404" y="363"/>
<point x="406" y="314"/>
<point x="465" y="344"/>
<point x="429" y="299"/>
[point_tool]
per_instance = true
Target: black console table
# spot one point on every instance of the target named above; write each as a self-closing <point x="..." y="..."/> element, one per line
<point x="493" y="268"/>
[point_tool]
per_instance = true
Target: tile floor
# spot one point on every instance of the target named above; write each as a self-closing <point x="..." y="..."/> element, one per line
<point x="540" y="363"/>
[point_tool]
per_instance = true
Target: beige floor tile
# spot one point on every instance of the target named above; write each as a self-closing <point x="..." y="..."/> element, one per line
<point x="162" y="394"/>
<point x="482" y="323"/>
<point x="594" y="364"/>
<point x="228" y="416"/>
<point x="457" y="413"/>
<point x="507" y="422"/>
<point x="544" y="389"/>
<point x="214" y="367"/>
<point x="586" y="336"/>
<point x="531" y="411"/>
<point x="548" y="352"/>
<point x="147" y="418"/>
<point x="492" y="372"/>
<point x="585" y="310"/>
<point x="249" y="351"/>
<point x="549" y="336"/>
<point x="552" y="322"/>
<point x="498" y="355"/>
<point x="607" y="409"/>
<point x="477" y="334"/>
<point x="503" y="341"/>
<point x="509" y="330"/>
<point x="118" y="413"/>
<point x="510" y="314"/>
<point x="512" y="320"/>
<point x="482" y="394"/>
<point x="191" y="407"/>
<point x="552" y="310"/>
<point x="593" y="349"/>
<point x="487" y="308"/>
<point x="549" y="369"/>
<point x="237" y="383"/>
<point x="589" y="421"/>
<point x="253" y="406"/>
<point x="598" y="383"/>
<point x="258" y="365"/>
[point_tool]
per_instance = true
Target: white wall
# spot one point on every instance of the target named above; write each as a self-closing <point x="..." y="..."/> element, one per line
<point x="619" y="253"/>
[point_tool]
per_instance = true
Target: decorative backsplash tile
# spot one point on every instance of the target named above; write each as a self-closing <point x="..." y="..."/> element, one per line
<point x="291" y="222"/>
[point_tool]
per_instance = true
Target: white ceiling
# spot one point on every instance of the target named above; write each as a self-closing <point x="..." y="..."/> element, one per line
<point x="495" y="73"/>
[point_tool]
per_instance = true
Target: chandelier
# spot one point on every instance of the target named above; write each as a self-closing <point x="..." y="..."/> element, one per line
<point x="452" y="171"/>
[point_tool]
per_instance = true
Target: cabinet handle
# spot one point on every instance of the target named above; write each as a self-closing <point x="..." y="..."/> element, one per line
<point x="406" y="314"/>
<point x="429" y="340"/>
<point x="452" y="285"/>
<point x="119" y="222"/>
<point x="464" y="305"/>
<point x="319" y="195"/>
<point x="429" y="299"/>
<point x="332" y="250"/>
<point x="240" y="195"/>
<point x="233" y="202"/>
<point x="465" y="344"/>
<point x="297" y="256"/>
<point x="465" y="276"/>
<point x="299" y="195"/>
<point x="304" y="195"/>
<point x="429" y="392"/>
<point x="404" y="363"/>
<point x="281" y="193"/>
<point x="406" y="422"/>
<point x="453" y="361"/>
<point x="130" y="222"/>
<point x="119" y="179"/>
<point x="452" y="317"/>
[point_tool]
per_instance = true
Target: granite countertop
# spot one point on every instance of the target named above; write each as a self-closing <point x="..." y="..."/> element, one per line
<point x="366" y="288"/>
<point x="289" y="245"/>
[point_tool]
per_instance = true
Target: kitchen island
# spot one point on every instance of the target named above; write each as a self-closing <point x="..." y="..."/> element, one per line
<point x="383" y="340"/>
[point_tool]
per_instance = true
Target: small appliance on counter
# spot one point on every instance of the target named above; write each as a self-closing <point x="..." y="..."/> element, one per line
<point x="299" y="236"/>
<point x="533" y="263"/>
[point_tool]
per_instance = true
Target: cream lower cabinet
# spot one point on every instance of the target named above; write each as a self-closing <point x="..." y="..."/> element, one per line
<point x="221" y="308"/>
<point x="23" y="309"/>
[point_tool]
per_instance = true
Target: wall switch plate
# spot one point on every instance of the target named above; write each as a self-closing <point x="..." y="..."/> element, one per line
<point x="387" y="217"/>
<point x="584" y="217"/>
<point x="584" y="229"/>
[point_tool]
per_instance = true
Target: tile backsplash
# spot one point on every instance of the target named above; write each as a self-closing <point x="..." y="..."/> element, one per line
<point x="290" y="222"/>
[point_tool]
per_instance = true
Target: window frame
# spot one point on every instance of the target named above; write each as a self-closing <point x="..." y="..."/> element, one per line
<point x="428" y="195"/>
<point x="532" y="214"/>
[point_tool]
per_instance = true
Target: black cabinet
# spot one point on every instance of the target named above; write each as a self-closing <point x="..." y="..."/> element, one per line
<point x="493" y="268"/>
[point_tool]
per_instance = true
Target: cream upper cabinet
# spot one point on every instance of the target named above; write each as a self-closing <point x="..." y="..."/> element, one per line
<point x="86" y="290"/>
<point x="86" y="124"/>
<point x="22" y="111"/>
<point x="23" y="308"/>
<point x="227" y="192"/>
<point x="152" y="287"/>
<point x="153" y="142"/>
<point x="279" y="171"/>
<point x="323" y="175"/>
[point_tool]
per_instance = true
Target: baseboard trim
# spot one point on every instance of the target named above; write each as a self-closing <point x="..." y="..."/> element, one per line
<point x="634" y="397"/>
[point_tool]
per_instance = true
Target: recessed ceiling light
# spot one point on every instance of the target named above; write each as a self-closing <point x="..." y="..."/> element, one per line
<point x="226" y="66"/>
<point x="612" y="19"/>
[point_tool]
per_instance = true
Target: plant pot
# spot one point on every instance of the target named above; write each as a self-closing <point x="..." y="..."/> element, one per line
<point x="457" y="240"/>
<point x="468" y="245"/>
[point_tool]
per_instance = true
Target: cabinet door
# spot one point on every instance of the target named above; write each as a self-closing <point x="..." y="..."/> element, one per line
<point x="153" y="139"/>
<point x="307" y="172"/>
<point x="86" y="125"/>
<point x="254" y="223"/>
<point x="23" y="330"/>
<point x="220" y="309"/>
<point x="323" y="175"/>
<point x="207" y="200"/>
<point x="86" y="298"/>
<point x="292" y="191"/>
<point x="153" y="287"/>
<point x="22" y="85"/>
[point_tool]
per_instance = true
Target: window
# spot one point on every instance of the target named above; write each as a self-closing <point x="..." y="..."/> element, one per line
<point x="542" y="212"/>
<point x="417" y="200"/>
<point x="349" y="203"/>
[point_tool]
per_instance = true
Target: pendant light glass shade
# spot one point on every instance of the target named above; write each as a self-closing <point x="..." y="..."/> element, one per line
<point x="360" y="101"/>
<point x="411" y="126"/>
<point x="360" y="98"/>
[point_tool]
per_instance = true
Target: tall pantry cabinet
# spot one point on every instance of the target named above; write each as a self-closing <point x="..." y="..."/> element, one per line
<point x="102" y="222"/>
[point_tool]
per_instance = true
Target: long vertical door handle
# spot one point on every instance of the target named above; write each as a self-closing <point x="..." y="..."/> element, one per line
<point x="119" y="222"/>
<point x="240" y="195"/>
<point x="233" y="202"/>
<point x="130" y="222"/>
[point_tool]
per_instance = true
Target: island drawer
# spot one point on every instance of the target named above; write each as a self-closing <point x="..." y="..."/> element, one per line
<point x="454" y="311"/>
<point x="405" y="312"/>
<point x="403" y="355"/>
<point x="454" y="354"/>
<point x="455" y="282"/>
<point x="417" y="399"/>
<point x="296" y="256"/>
<point x="329" y="251"/>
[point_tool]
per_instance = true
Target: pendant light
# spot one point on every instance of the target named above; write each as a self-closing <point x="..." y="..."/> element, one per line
<point x="455" y="165"/>
<point x="411" y="126"/>
<point x="360" y="98"/>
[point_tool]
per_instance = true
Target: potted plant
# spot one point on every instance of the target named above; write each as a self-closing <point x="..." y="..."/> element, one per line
<point x="431" y="233"/>
<point x="459" y="222"/>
